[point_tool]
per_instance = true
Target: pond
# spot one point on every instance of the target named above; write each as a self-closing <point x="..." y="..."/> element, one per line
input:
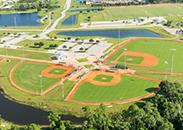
<point x="111" y="33"/>
<point x="80" y="0"/>
<point x="23" y="114"/>
<point x="20" y="19"/>
<point x="71" y="20"/>
<point x="86" y="10"/>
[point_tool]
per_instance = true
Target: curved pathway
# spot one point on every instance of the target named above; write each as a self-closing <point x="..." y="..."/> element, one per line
<point x="63" y="14"/>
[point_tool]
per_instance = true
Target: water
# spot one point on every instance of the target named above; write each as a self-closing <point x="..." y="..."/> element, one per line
<point x="81" y="0"/>
<point x="20" y="19"/>
<point x="85" y="10"/>
<point x="72" y="20"/>
<point x="23" y="114"/>
<point x="111" y="33"/>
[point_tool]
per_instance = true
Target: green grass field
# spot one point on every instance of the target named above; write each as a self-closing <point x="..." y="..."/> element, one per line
<point x="25" y="53"/>
<point x="28" y="76"/>
<point x="161" y="49"/>
<point x="28" y="44"/>
<point x="127" y="12"/>
<point x="129" y="87"/>
<point x="82" y="60"/>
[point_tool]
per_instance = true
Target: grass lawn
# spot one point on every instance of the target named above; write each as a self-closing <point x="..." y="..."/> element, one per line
<point x="89" y="66"/>
<point x="161" y="49"/>
<point x="127" y="12"/>
<point x="25" y="53"/>
<point x="130" y="59"/>
<point x="176" y="21"/>
<point x="129" y="87"/>
<point x="82" y="60"/>
<point x="28" y="76"/>
<point x="103" y="78"/>
<point x="28" y="44"/>
<point x="58" y="71"/>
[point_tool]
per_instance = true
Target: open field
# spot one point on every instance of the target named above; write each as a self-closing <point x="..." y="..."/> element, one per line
<point x="160" y="49"/>
<point x="127" y="12"/>
<point x="25" y="53"/>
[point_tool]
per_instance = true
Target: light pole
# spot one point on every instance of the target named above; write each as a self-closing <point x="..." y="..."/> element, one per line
<point x="166" y="75"/>
<point x="125" y="49"/>
<point x="173" y="53"/>
<point x="41" y="83"/>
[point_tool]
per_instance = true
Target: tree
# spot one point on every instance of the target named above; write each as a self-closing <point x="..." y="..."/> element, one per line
<point x="64" y="46"/>
<point x="33" y="127"/>
<point x="54" y="119"/>
<point x="81" y="48"/>
<point x="99" y="120"/>
<point x="56" y="123"/>
<point x="91" y="40"/>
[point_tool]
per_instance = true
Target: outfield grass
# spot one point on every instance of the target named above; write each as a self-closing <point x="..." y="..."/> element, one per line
<point x="160" y="49"/>
<point x="129" y="87"/>
<point x="28" y="76"/>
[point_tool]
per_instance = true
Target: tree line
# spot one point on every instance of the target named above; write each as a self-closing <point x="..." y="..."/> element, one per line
<point x="164" y="111"/>
<point x="23" y="5"/>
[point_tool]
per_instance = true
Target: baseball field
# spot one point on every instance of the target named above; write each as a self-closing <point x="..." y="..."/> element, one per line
<point x="150" y="55"/>
<point x="38" y="78"/>
<point x="155" y="57"/>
